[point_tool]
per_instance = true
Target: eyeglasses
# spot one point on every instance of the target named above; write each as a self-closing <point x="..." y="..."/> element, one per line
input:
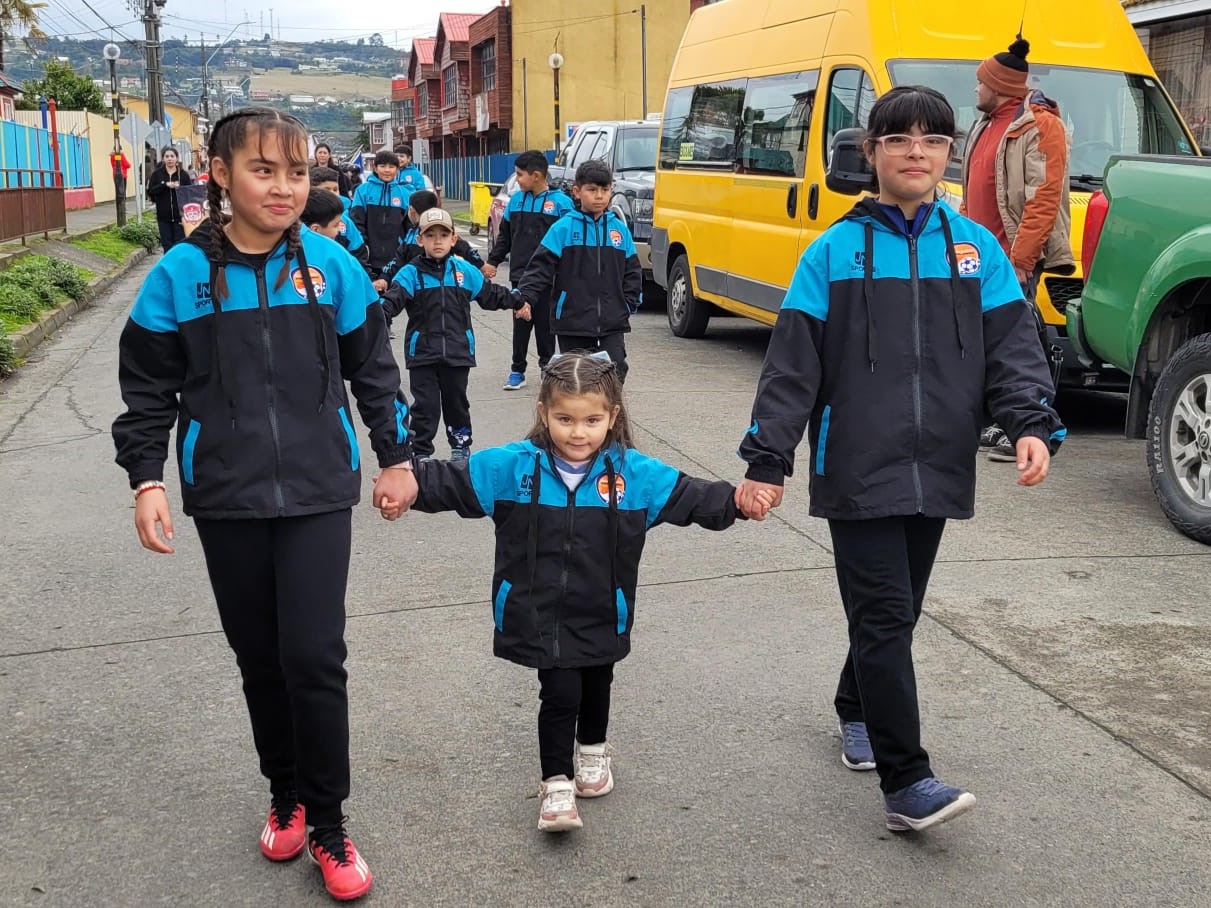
<point x="897" y="146"/>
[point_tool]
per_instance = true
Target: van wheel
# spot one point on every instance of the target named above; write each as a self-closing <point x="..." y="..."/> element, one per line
<point x="1179" y="439"/>
<point x="688" y="316"/>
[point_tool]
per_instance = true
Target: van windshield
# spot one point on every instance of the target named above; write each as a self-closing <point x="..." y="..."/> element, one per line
<point x="1106" y="113"/>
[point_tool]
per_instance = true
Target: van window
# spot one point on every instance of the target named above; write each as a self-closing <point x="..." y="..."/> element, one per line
<point x="672" y="127"/>
<point x="708" y="132"/>
<point x="851" y="95"/>
<point x="777" y="114"/>
<point x="1106" y="112"/>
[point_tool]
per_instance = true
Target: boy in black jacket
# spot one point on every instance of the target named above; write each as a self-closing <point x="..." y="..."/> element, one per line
<point x="378" y="210"/>
<point x="588" y="261"/>
<point x="531" y="212"/>
<point x="409" y="246"/>
<point x="436" y="290"/>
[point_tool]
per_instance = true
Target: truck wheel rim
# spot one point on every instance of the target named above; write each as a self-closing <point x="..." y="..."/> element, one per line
<point x="1190" y="440"/>
<point x="677" y="299"/>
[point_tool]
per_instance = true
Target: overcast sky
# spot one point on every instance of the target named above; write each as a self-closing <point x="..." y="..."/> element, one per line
<point x="294" y="20"/>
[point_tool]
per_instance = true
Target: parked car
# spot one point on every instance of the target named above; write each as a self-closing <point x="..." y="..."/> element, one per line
<point x="1146" y="309"/>
<point x="499" y="203"/>
<point x="629" y="149"/>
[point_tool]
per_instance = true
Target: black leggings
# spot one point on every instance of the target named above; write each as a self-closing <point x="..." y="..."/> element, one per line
<point x="280" y="589"/>
<point x="575" y="707"/>
<point x="883" y="568"/>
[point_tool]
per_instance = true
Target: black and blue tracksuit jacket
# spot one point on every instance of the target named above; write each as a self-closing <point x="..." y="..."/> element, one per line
<point x="437" y="296"/>
<point x="410" y="179"/>
<point x="351" y="238"/>
<point x="895" y="346"/>
<point x="567" y="562"/>
<point x="590" y="270"/>
<point x="380" y="211"/>
<point x="410" y="249"/>
<point x="525" y="222"/>
<point x="256" y="385"/>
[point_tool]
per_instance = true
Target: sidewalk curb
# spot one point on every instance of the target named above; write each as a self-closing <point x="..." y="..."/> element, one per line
<point x="26" y="339"/>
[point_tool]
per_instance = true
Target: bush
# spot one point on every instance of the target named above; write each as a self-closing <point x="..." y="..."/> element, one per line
<point x="141" y="233"/>
<point x="20" y="302"/>
<point x="8" y="356"/>
<point x="69" y="278"/>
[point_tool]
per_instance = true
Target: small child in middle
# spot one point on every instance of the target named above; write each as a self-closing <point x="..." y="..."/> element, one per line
<point x="409" y="245"/>
<point x="436" y="291"/>
<point x="588" y="260"/>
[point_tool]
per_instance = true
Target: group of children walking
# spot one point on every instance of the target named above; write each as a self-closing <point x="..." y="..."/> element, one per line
<point x="270" y="471"/>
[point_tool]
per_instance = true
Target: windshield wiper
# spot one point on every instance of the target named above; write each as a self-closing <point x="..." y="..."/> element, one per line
<point x="1086" y="178"/>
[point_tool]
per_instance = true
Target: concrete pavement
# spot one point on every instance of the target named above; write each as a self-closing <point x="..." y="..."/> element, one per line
<point x="1064" y="662"/>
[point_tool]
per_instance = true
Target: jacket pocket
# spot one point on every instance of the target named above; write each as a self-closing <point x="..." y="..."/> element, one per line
<point x="355" y="454"/>
<point x="822" y="440"/>
<point x="471" y="341"/>
<point x="623" y="610"/>
<point x="188" y="447"/>
<point x="498" y="605"/>
<point x="412" y="341"/>
<point x="559" y="301"/>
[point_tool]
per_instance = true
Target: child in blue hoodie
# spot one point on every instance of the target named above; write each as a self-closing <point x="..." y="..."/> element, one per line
<point x="903" y="324"/>
<point x="380" y="209"/>
<point x="410" y="178"/>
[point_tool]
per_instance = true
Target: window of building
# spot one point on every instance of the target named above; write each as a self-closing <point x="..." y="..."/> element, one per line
<point x="702" y="133"/>
<point x="450" y="86"/>
<point x="851" y="95"/>
<point x="487" y="65"/>
<point x="776" y="120"/>
<point x="422" y="101"/>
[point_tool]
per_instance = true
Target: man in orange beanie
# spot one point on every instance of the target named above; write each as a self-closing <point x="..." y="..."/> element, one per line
<point x="1015" y="183"/>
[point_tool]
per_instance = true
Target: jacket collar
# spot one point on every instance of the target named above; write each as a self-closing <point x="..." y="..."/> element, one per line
<point x="868" y="209"/>
<point x="201" y="238"/>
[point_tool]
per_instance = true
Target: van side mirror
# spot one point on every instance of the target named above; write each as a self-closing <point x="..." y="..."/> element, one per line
<point x="848" y="170"/>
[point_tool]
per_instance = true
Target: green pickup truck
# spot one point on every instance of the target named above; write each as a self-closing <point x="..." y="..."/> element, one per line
<point x="1146" y="309"/>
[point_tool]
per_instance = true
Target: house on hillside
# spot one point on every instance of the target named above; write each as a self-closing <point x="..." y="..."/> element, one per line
<point x="378" y="128"/>
<point x="10" y="92"/>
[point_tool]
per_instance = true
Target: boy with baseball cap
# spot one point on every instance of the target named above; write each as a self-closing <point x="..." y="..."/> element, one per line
<point x="435" y="290"/>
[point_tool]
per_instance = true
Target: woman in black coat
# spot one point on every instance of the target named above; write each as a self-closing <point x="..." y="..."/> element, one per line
<point x="162" y="189"/>
<point x="325" y="158"/>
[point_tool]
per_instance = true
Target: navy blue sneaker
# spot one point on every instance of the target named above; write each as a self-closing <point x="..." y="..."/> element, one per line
<point x="924" y="804"/>
<point x="515" y="382"/>
<point x="856" y="752"/>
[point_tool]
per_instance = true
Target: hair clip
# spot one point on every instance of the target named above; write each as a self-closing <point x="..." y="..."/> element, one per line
<point x="600" y="355"/>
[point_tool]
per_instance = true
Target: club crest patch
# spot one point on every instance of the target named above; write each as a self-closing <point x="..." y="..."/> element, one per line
<point x="603" y="488"/>
<point x="968" y="255"/>
<point x="616" y="239"/>
<point x="396" y="202"/>
<point x="548" y="207"/>
<point x="458" y="277"/>
<point x="342" y="228"/>
<point x="318" y="281"/>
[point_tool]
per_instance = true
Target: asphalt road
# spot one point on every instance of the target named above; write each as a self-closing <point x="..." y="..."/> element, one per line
<point x="1064" y="662"/>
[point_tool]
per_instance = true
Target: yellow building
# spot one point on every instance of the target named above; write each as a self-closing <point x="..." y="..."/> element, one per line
<point x="602" y="73"/>
<point x="184" y="125"/>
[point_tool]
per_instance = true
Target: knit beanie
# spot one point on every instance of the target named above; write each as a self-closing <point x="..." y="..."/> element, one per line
<point x="1006" y="73"/>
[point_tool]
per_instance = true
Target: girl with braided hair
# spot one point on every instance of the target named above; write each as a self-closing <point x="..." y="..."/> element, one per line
<point x="244" y="335"/>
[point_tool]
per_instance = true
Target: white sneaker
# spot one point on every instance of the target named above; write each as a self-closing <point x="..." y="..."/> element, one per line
<point x="558" y="811"/>
<point x="594" y="778"/>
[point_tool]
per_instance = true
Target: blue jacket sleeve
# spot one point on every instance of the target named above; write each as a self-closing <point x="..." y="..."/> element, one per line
<point x="400" y="293"/>
<point x="790" y="377"/>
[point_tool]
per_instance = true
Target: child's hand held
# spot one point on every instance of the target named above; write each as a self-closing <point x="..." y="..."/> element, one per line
<point x="523" y="312"/>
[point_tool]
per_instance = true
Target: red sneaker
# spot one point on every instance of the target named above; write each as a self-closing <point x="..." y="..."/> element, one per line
<point x="285" y="831"/>
<point x="346" y="874"/>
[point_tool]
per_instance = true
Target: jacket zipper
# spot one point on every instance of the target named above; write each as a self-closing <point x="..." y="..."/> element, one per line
<point x="267" y="343"/>
<point x="441" y="299"/>
<point x="563" y="573"/>
<point x="916" y="369"/>
<point x="600" y="241"/>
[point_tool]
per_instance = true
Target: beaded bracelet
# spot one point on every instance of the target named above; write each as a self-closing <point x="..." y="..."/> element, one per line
<point x="148" y="486"/>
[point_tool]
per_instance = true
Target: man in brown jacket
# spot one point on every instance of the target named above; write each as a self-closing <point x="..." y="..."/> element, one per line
<point x="1015" y="182"/>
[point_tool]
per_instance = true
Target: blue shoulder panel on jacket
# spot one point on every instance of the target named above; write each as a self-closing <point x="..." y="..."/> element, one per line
<point x="618" y="236"/>
<point x="495" y="474"/>
<point x="998" y="281"/>
<point x="473" y="281"/>
<point x="155" y="308"/>
<point x="557" y="237"/>
<point x="656" y="480"/>
<point x="347" y="283"/>
<point x="407" y="277"/>
<point x="809" y="286"/>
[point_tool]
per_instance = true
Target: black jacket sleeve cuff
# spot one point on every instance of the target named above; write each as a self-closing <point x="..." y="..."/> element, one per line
<point x="395" y="454"/>
<point x="765" y="473"/>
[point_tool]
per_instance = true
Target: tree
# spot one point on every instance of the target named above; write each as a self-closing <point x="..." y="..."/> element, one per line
<point x="19" y="15"/>
<point x="70" y="91"/>
<point x="376" y="40"/>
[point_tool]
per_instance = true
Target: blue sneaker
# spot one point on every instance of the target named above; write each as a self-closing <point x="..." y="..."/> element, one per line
<point x="459" y="454"/>
<point x="515" y="382"/>
<point x="924" y="804"/>
<point x="856" y="752"/>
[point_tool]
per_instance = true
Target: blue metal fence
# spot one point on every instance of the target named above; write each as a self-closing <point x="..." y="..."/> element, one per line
<point x="453" y="174"/>
<point x="28" y="148"/>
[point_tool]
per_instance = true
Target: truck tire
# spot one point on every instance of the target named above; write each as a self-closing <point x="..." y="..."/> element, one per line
<point x="688" y="316"/>
<point x="1179" y="439"/>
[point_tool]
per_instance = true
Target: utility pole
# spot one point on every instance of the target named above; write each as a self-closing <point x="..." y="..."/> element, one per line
<point x="205" y="84"/>
<point x="643" y="50"/>
<point x="111" y="52"/>
<point x="155" y="82"/>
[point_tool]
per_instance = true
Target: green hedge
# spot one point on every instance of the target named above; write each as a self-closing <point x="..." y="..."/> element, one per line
<point x="8" y="356"/>
<point x="36" y="283"/>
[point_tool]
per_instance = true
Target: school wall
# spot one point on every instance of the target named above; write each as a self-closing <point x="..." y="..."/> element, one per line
<point x="99" y="131"/>
<point x="601" y="78"/>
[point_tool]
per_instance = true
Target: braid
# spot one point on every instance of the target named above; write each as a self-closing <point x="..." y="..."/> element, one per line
<point x="218" y="238"/>
<point x="293" y="241"/>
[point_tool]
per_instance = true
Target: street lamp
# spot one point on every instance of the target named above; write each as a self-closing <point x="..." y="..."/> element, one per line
<point x="555" y="61"/>
<point x="112" y="52"/>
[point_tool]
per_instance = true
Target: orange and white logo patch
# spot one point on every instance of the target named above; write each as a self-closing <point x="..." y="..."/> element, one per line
<point x="968" y="257"/>
<point x="616" y="239"/>
<point x="548" y="207"/>
<point x="603" y="488"/>
<point x="318" y="281"/>
<point x="458" y="277"/>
